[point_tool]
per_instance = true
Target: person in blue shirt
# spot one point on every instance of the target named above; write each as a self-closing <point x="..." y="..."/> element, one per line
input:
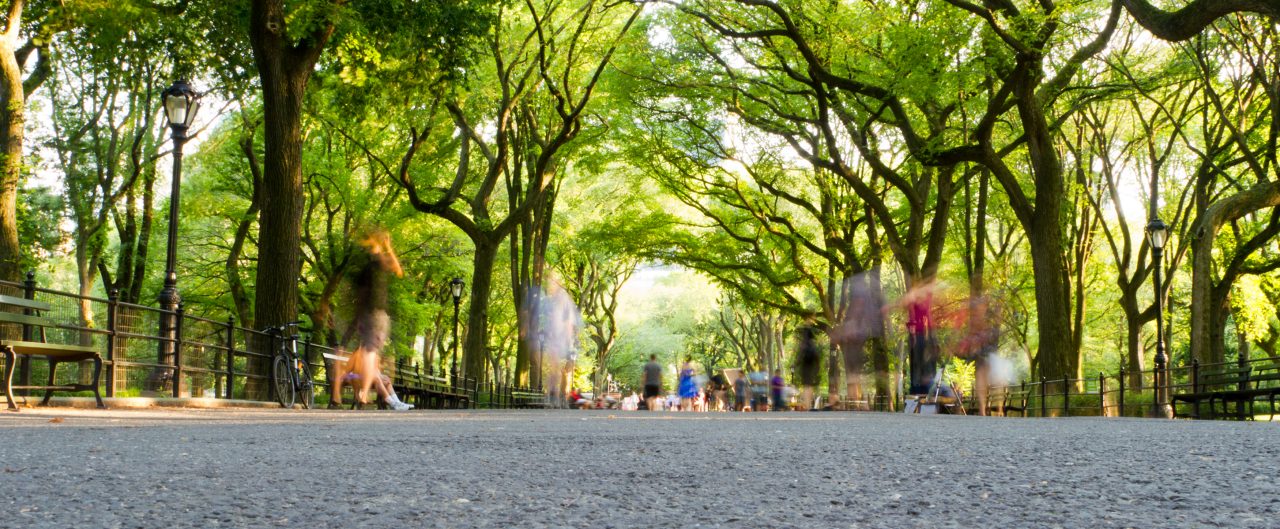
<point x="688" y="385"/>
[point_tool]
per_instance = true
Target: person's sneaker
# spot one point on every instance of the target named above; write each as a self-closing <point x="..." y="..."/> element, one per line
<point x="400" y="406"/>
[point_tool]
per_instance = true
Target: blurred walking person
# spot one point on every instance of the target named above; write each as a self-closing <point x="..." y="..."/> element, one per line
<point x="777" y="386"/>
<point x="653" y="384"/>
<point x="923" y="352"/>
<point x="741" y="390"/>
<point x="372" y="324"/>
<point x="810" y="361"/>
<point x="688" y="387"/>
<point x="863" y="322"/>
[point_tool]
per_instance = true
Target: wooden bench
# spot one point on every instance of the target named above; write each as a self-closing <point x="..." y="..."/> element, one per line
<point x="1262" y="380"/>
<point x="55" y="353"/>
<point x="1009" y="398"/>
<point x="431" y="391"/>
<point x="424" y="390"/>
<point x="1224" y="384"/>
<point x="528" y="399"/>
<point x="1265" y="381"/>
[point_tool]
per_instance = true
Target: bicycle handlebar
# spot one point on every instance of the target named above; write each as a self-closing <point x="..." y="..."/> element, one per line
<point x="282" y="327"/>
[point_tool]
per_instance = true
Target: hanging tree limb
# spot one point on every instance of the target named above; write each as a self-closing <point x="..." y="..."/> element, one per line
<point x="1194" y="17"/>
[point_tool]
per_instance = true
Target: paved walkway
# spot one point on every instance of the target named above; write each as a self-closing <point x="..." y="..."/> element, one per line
<point x="254" y="468"/>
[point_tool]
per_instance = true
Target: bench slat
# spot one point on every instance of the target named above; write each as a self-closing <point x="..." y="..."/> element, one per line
<point x="24" y="303"/>
<point x="47" y="349"/>
<point x="13" y="317"/>
<point x="58" y="388"/>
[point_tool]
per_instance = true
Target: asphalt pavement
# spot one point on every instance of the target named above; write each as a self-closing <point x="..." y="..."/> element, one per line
<point x="64" y="467"/>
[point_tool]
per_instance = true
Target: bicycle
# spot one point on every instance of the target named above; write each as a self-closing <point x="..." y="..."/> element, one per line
<point x="290" y="374"/>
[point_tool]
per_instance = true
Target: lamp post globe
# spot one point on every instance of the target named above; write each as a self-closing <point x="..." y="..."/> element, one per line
<point x="181" y="102"/>
<point x="1157" y="236"/>
<point x="180" y="105"/>
<point x="455" y="290"/>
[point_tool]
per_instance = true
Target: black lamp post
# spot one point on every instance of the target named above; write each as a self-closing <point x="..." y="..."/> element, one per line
<point x="180" y="105"/>
<point x="455" y="290"/>
<point x="1157" y="235"/>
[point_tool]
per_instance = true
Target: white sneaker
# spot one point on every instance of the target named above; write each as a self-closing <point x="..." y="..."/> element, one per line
<point x="400" y="406"/>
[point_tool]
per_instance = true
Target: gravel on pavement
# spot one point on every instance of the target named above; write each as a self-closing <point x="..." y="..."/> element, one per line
<point x="577" y="469"/>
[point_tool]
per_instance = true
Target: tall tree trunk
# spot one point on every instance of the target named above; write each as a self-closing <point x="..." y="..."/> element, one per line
<point x="1220" y="311"/>
<point x="143" y="246"/>
<point x="1204" y="233"/>
<point x="283" y="68"/>
<point x="976" y="231"/>
<point x="1242" y="341"/>
<point x="1041" y="217"/>
<point x="12" y="119"/>
<point x="1134" y="350"/>
<point x="478" y="314"/>
<point x="1053" y="301"/>
<point x="528" y="245"/>
<point x="239" y="295"/>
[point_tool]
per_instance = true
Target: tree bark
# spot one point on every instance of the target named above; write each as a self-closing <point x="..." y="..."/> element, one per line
<point x="1134" y="350"/>
<point x="1204" y="306"/>
<point x="477" y="331"/>
<point x="284" y="68"/>
<point x="1194" y="17"/>
<point x="12" y="120"/>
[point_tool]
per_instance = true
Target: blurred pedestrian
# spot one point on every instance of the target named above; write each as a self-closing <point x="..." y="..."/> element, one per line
<point x="688" y="387"/>
<point x="740" y="392"/>
<point x="759" y="390"/>
<point x="810" y="360"/>
<point x="719" y="392"/>
<point x="777" y="385"/>
<point x="376" y="263"/>
<point x="653" y="383"/>
<point x="863" y="321"/>
<point x="922" y="350"/>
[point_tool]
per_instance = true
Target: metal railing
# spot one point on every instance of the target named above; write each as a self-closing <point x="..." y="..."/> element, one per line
<point x="1104" y="395"/>
<point x="210" y="358"/>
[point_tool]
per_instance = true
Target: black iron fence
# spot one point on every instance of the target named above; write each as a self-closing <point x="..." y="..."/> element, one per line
<point x="1124" y="394"/>
<point x="208" y="358"/>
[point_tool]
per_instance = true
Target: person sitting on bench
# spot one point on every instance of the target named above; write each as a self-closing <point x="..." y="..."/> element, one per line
<point x="382" y="386"/>
<point x="372" y="324"/>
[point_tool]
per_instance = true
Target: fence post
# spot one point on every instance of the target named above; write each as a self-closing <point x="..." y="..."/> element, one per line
<point x="399" y="372"/>
<point x="177" y="351"/>
<point x="1066" y="397"/>
<point x="1044" y="406"/>
<point x="1102" y="395"/>
<point x="231" y="357"/>
<point x="113" y="301"/>
<point x="1195" y="375"/>
<point x="307" y="357"/>
<point x="1120" y="401"/>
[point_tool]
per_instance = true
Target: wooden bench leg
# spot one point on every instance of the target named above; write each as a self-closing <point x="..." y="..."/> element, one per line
<point x="48" y="393"/>
<point x="10" y="359"/>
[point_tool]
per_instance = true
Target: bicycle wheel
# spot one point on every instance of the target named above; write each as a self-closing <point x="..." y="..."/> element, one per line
<point x="282" y="377"/>
<point x="306" y="388"/>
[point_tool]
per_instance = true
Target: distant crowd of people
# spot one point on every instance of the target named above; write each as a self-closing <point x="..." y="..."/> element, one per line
<point x="730" y="391"/>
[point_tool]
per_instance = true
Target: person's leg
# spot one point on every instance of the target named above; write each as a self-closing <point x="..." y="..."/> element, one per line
<point x="341" y="369"/>
<point x="369" y="373"/>
<point x="388" y="392"/>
